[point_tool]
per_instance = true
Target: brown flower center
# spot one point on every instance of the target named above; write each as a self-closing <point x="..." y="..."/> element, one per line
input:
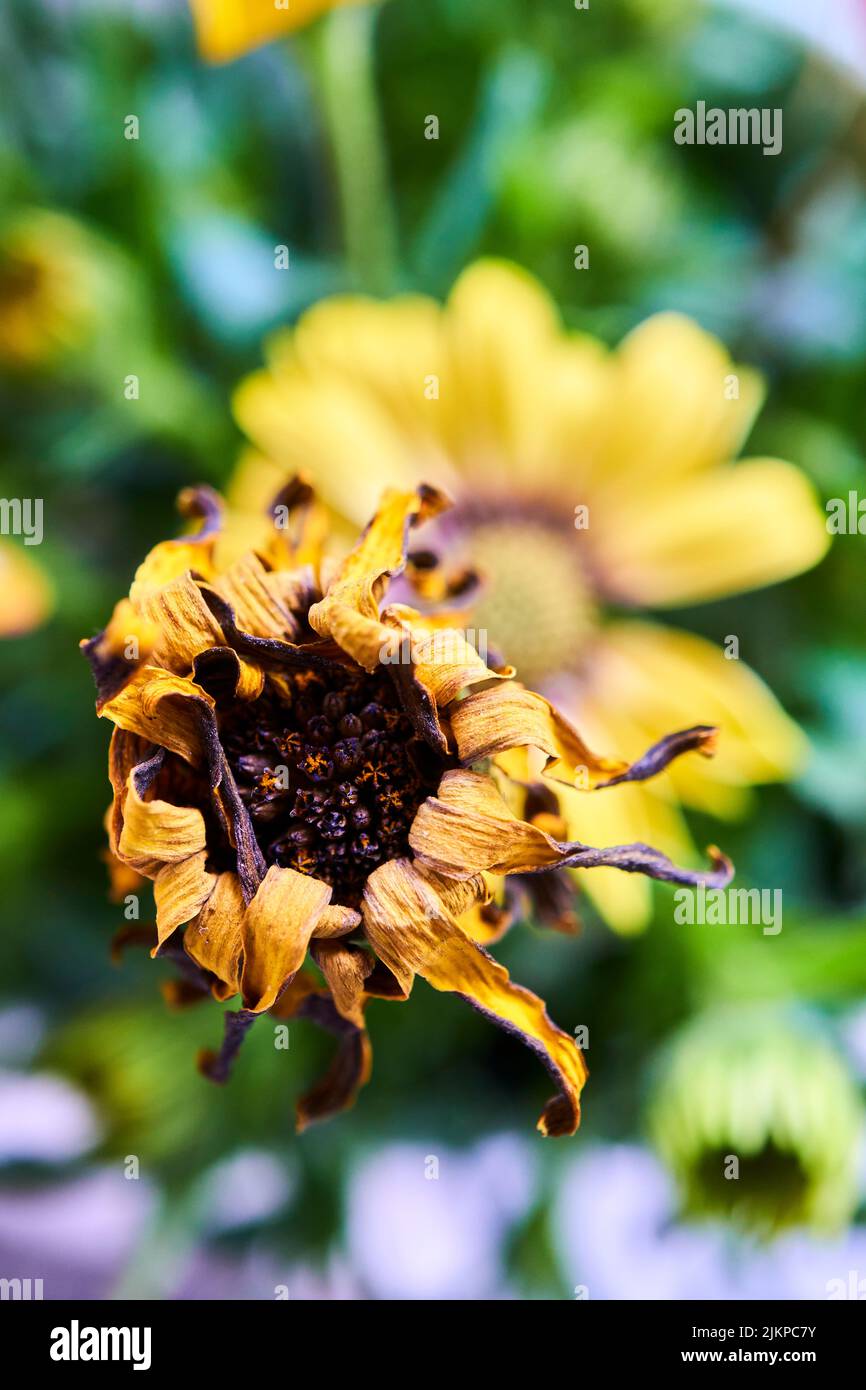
<point x="332" y="774"/>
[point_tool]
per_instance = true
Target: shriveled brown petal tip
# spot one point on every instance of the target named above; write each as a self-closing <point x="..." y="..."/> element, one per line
<point x="352" y="1064"/>
<point x="503" y="717"/>
<point x="116" y="653"/>
<point x="412" y="932"/>
<point x="202" y="503"/>
<point x="701" y="738"/>
<point x="468" y="829"/>
<point x="217" y="1066"/>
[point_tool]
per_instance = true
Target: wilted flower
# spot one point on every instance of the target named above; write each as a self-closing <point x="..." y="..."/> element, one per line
<point x="587" y="482"/>
<point x="297" y="770"/>
<point x="226" y="29"/>
<point x="760" y="1123"/>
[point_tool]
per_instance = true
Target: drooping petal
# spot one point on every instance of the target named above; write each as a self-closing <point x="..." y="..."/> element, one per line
<point x="180" y="890"/>
<point x="350" y="1069"/>
<point x="349" y="612"/>
<point x="412" y="931"/>
<point x="214" y="939"/>
<point x="468" y="829"/>
<point x="116" y="653"/>
<point x="510" y="716"/>
<point x="645" y="677"/>
<point x="183" y="621"/>
<point x="217" y="1066"/>
<point x="156" y="832"/>
<point x="346" y="969"/>
<point x="171" y="559"/>
<point x="167" y="710"/>
<point x="276" y="932"/>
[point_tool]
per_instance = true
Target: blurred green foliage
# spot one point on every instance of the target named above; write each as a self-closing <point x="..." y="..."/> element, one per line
<point x="555" y="129"/>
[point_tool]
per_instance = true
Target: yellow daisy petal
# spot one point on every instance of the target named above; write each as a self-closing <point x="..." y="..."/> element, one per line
<point x="718" y="533"/>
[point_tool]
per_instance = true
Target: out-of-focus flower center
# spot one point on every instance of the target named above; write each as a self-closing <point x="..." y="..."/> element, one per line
<point x="332" y="774"/>
<point x="770" y="1191"/>
<point x="537" y="605"/>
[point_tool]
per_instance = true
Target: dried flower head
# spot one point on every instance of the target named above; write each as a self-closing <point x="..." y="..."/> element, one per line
<point x="300" y="770"/>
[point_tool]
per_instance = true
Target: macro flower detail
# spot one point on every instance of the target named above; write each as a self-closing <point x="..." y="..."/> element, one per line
<point x="301" y="770"/>
<point x="589" y="485"/>
<point x="226" y="29"/>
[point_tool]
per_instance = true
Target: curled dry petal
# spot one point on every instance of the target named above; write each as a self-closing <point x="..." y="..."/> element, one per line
<point x="413" y="932"/>
<point x="510" y="716"/>
<point x="349" y="612"/>
<point x="468" y="829"/>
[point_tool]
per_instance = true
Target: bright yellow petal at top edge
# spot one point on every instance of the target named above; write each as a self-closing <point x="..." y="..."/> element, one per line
<point x="25" y="594"/>
<point x="226" y="29"/>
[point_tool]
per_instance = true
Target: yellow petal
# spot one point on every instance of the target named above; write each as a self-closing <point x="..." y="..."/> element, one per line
<point x="26" y="597"/>
<point x="180" y="890"/>
<point x="644" y="679"/>
<point x="675" y="406"/>
<point x="214" y="939"/>
<point x="413" y="932"/>
<point x="226" y="29"/>
<point x="349" y="612"/>
<point x="720" y="532"/>
<point x="494" y="721"/>
<point x="277" y="928"/>
<point x="503" y="337"/>
<point x="157" y="832"/>
<point x="184" y="623"/>
<point x="468" y="829"/>
<point x="346" y="969"/>
<point x="263" y="601"/>
<point x="165" y="709"/>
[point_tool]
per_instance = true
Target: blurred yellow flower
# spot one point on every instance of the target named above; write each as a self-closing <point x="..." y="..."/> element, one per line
<point x="25" y="594"/>
<point x="47" y="288"/>
<point x="226" y="29"/>
<point x="587" y="481"/>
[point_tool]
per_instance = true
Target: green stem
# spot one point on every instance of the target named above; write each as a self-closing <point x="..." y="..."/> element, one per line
<point x="346" y="71"/>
